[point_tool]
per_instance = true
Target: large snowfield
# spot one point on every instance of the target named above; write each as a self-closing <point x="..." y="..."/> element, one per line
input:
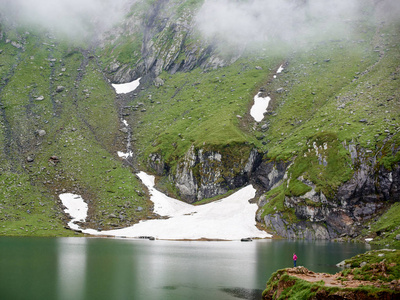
<point x="231" y="218"/>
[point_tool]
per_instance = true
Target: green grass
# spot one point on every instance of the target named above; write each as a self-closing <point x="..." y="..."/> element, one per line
<point x="386" y="228"/>
<point x="368" y="266"/>
<point x="198" y="108"/>
<point x="275" y="201"/>
<point x="317" y="116"/>
<point x="315" y="89"/>
<point x="373" y="262"/>
<point x="301" y="289"/>
<point x="26" y="209"/>
<point x="124" y="49"/>
<point x="82" y="130"/>
<point x="324" y="162"/>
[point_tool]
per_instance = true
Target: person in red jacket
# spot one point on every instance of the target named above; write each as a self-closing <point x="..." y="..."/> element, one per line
<point x="294" y="259"/>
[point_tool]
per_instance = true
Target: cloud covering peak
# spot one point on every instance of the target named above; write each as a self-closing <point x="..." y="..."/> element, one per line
<point x="74" y="18"/>
<point x="242" y="22"/>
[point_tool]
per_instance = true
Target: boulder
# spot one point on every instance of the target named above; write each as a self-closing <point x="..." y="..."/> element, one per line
<point x="60" y="88"/>
<point x="41" y="132"/>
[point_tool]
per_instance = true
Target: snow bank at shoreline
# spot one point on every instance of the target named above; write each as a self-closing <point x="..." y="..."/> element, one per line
<point x="125" y="88"/>
<point x="75" y="207"/>
<point x="231" y="218"/>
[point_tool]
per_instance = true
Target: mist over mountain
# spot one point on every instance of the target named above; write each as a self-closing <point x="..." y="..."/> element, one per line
<point x="292" y="21"/>
<point x="72" y="18"/>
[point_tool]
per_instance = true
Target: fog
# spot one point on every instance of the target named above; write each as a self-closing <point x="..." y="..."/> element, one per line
<point x="243" y="22"/>
<point x="74" y="18"/>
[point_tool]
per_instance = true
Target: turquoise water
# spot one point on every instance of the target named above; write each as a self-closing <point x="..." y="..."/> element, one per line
<point x="95" y="268"/>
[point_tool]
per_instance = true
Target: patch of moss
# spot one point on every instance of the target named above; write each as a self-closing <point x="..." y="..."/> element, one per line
<point x="275" y="201"/>
<point x="324" y="162"/>
<point x="382" y="265"/>
<point x="386" y="228"/>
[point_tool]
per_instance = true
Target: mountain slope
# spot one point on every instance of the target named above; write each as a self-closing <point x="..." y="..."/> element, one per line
<point x="325" y="157"/>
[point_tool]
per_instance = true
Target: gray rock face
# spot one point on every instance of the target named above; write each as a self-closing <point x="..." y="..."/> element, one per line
<point x="157" y="164"/>
<point x="164" y="46"/>
<point x="205" y="174"/>
<point x="302" y="230"/>
<point x="356" y="201"/>
<point x="269" y="174"/>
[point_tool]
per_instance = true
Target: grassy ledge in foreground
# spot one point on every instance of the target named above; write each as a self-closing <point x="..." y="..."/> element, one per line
<point x="373" y="275"/>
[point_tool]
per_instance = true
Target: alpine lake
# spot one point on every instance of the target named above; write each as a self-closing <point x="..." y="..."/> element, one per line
<point x="110" y="268"/>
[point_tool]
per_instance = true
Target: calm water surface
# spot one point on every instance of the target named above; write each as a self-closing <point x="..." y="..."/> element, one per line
<point x="94" y="268"/>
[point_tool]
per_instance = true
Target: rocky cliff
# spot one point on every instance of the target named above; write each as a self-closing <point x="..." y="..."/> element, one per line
<point x="168" y="42"/>
<point x="368" y="192"/>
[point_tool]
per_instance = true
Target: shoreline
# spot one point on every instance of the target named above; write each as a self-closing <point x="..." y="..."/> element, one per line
<point x="227" y="219"/>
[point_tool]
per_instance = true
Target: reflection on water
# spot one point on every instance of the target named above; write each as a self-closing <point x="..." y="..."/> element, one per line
<point x="71" y="268"/>
<point x="81" y="268"/>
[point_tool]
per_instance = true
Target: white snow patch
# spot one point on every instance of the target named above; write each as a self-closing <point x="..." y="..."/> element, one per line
<point x="125" y="88"/>
<point x="368" y="239"/>
<point x="125" y="155"/>
<point x="280" y="69"/>
<point x="75" y="207"/>
<point x="231" y="218"/>
<point x="259" y="107"/>
<point x="125" y="123"/>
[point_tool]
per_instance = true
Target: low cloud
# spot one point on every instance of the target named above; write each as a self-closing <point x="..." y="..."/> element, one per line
<point x="74" y="18"/>
<point x="243" y="22"/>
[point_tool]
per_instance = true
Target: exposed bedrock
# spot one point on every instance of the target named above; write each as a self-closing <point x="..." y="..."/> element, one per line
<point x="370" y="190"/>
<point x="206" y="173"/>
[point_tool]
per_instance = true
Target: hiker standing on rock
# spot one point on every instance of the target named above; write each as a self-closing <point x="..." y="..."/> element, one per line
<point x="294" y="259"/>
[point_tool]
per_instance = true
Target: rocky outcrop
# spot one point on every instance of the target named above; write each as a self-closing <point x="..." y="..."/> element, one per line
<point x="167" y="44"/>
<point x="206" y="173"/>
<point x="371" y="182"/>
<point x="301" y="230"/>
<point x="269" y="174"/>
<point x="371" y="188"/>
<point x="157" y="165"/>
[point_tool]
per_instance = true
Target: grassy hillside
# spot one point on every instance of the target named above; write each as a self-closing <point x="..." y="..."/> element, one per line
<point x="333" y="92"/>
<point x="57" y="103"/>
<point x="384" y="230"/>
<point x="60" y="118"/>
<point x="199" y="108"/>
